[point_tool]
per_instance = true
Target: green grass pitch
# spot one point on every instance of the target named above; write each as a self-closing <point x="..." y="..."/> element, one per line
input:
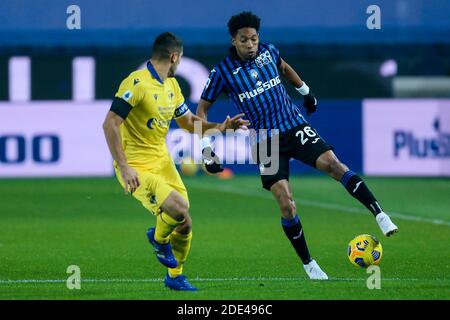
<point x="239" y="250"/>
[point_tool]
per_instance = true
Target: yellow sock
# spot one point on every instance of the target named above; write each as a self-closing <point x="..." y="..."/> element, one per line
<point x="181" y="244"/>
<point x="165" y="225"/>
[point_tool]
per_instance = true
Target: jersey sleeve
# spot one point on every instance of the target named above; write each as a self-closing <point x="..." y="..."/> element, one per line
<point x="214" y="86"/>
<point x="181" y="108"/>
<point x="130" y="91"/>
<point x="275" y="53"/>
<point x="127" y="97"/>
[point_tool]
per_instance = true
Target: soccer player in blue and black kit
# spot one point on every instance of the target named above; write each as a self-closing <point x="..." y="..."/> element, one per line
<point x="250" y="77"/>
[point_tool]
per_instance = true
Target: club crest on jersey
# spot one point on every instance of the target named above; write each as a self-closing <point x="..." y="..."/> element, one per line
<point x="171" y="95"/>
<point x="263" y="59"/>
<point x="254" y="74"/>
<point x="155" y="96"/>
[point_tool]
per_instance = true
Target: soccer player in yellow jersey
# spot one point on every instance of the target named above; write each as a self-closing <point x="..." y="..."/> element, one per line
<point x="135" y="129"/>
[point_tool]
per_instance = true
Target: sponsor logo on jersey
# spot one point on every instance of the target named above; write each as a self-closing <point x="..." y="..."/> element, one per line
<point x="150" y="123"/>
<point x="260" y="89"/>
<point x="158" y="122"/>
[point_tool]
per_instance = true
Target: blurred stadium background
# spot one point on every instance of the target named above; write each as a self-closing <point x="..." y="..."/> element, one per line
<point x="384" y="93"/>
<point x="384" y="103"/>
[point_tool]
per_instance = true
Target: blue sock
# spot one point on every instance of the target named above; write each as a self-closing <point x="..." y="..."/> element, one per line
<point x="358" y="189"/>
<point x="294" y="231"/>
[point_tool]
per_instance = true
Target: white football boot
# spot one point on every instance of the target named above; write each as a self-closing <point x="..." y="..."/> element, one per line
<point x="386" y="225"/>
<point x="314" y="272"/>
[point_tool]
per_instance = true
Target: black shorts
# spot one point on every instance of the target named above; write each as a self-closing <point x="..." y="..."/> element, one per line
<point x="301" y="143"/>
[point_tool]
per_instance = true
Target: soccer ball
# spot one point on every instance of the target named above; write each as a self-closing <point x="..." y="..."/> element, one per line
<point x="364" y="250"/>
<point x="188" y="167"/>
<point x="226" y="174"/>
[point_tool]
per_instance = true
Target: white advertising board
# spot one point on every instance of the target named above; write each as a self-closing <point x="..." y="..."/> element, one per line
<point x="53" y="138"/>
<point x="406" y="137"/>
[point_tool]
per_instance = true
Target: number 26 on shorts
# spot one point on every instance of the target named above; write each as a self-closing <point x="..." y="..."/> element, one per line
<point x="305" y="133"/>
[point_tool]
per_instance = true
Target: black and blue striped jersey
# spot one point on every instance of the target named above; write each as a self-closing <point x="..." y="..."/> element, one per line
<point x="255" y="87"/>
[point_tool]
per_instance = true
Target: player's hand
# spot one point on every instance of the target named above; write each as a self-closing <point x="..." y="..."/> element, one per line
<point x="234" y="123"/>
<point x="310" y="103"/>
<point x="130" y="179"/>
<point x="211" y="161"/>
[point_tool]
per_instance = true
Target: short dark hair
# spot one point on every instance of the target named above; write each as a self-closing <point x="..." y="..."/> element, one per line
<point x="165" y="44"/>
<point x="244" y="19"/>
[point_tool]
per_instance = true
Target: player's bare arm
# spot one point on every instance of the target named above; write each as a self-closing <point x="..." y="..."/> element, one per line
<point x="111" y="128"/>
<point x="310" y="101"/>
<point x="290" y="74"/>
<point x="187" y="122"/>
<point x="234" y="123"/>
<point x="203" y="108"/>
<point x="210" y="159"/>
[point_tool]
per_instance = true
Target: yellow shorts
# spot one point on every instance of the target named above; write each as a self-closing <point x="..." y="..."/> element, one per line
<point x="155" y="187"/>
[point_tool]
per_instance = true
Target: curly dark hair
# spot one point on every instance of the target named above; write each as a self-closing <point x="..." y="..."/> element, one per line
<point x="244" y="19"/>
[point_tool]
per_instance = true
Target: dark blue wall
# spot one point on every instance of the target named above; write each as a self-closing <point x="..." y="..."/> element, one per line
<point x="119" y="23"/>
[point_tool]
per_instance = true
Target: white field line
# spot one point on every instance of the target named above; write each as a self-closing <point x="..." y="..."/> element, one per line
<point x="314" y="203"/>
<point x="249" y="279"/>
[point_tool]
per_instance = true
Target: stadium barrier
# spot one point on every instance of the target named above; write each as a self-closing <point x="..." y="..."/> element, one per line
<point x="389" y="137"/>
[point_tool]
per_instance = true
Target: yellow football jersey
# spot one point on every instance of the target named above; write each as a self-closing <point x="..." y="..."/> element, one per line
<point x="154" y="104"/>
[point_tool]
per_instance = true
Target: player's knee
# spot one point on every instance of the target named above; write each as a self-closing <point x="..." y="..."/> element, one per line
<point x="332" y="166"/>
<point x="186" y="226"/>
<point x="176" y="206"/>
<point x="181" y="210"/>
<point x="337" y="168"/>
